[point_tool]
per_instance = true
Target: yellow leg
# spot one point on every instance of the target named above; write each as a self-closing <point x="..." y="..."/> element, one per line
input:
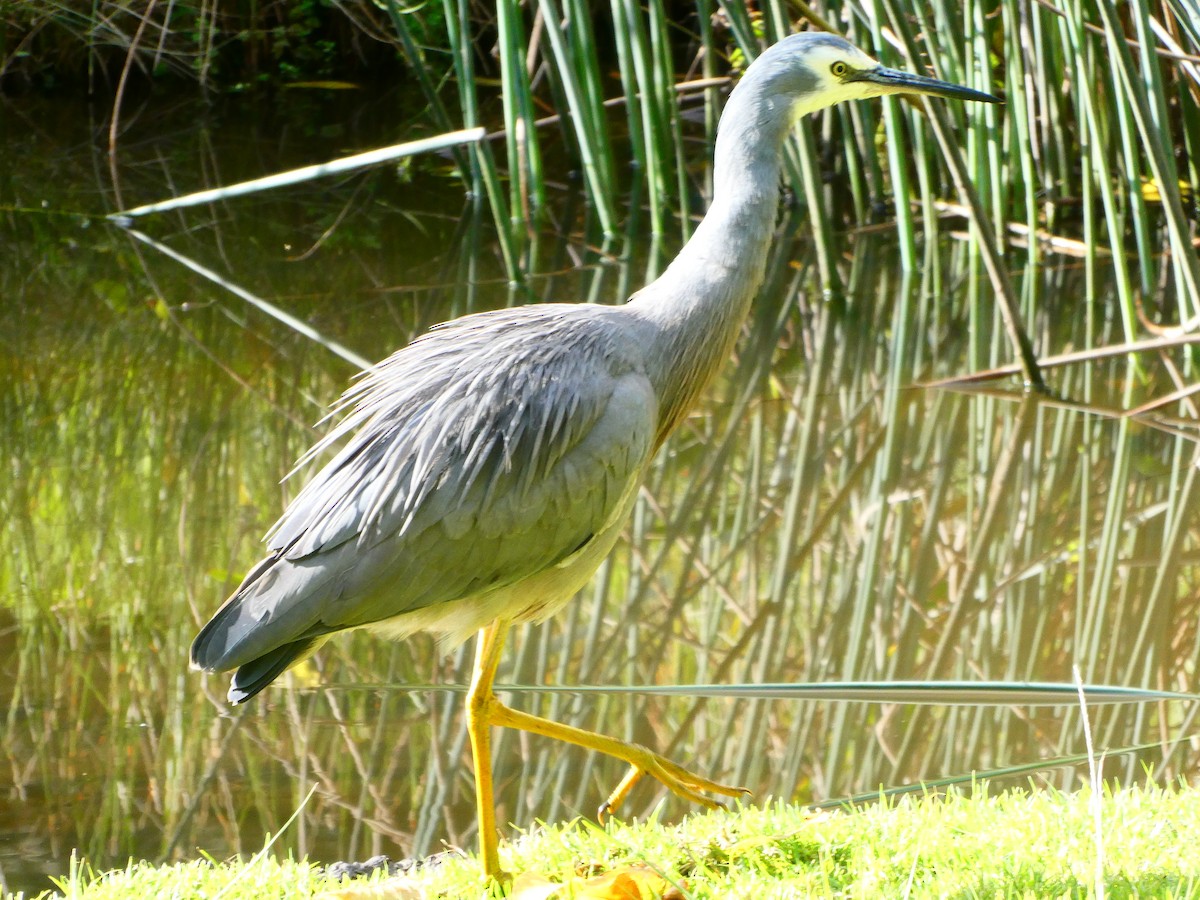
<point x="480" y="701"/>
<point x="484" y="711"/>
<point x="687" y="785"/>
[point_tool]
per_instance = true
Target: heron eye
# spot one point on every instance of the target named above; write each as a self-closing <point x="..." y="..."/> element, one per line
<point x="839" y="69"/>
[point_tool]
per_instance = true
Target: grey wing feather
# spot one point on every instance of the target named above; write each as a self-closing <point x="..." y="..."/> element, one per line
<point x="488" y="450"/>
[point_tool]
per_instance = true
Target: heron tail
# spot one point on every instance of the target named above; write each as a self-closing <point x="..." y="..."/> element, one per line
<point x="217" y="641"/>
<point x="268" y="624"/>
<point x="255" y="675"/>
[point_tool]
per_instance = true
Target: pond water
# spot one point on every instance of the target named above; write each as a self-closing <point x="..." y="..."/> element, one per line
<point x="822" y="517"/>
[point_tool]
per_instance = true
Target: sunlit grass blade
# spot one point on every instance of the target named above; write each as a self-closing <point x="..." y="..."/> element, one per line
<point x="297" y="325"/>
<point x="938" y="784"/>
<point x="308" y="173"/>
<point x="937" y="693"/>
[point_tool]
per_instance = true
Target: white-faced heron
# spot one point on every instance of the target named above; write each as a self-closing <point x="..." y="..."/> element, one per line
<point x="490" y="465"/>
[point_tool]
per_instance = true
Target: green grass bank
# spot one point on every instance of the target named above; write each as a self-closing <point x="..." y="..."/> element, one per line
<point x="1137" y="842"/>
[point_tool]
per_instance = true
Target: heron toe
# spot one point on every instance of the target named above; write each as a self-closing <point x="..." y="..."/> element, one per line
<point x="681" y="782"/>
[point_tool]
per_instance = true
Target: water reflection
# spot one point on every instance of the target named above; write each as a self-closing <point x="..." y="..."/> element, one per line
<point x="820" y="518"/>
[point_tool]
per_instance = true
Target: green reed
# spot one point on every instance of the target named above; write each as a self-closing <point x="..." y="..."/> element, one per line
<point x="1098" y="108"/>
<point x="1101" y="104"/>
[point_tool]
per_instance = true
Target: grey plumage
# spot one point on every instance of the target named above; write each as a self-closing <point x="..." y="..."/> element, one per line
<point x="493" y="448"/>
<point x="488" y="467"/>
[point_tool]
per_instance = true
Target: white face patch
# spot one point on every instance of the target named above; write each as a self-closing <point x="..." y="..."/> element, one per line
<point x="822" y="62"/>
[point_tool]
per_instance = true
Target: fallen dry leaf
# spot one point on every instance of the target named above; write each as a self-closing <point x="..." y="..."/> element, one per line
<point x="401" y="888"/>
<point x="530" y="886"/>
<point x="629" y="883"/>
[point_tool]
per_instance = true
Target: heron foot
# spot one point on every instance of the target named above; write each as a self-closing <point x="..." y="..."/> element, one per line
<point x="681" y="782"/>
<point x="642" y="760"/>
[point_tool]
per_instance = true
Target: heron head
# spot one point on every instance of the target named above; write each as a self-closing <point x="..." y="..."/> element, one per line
<point x="814" y="70"/>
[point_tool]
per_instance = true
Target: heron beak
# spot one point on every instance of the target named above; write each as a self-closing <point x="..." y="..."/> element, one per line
<point x="894" y="81"/>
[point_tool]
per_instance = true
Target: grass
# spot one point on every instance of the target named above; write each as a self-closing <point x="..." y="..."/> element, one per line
<point x="1015" y="844"/>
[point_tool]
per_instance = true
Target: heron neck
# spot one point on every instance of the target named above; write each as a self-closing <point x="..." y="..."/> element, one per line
<point x="699" y="303"/>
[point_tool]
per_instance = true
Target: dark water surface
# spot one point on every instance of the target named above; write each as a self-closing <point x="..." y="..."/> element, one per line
<point x="820" y="518"/>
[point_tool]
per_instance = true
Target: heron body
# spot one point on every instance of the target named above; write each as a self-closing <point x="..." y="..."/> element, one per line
<point x="487" y="469"/>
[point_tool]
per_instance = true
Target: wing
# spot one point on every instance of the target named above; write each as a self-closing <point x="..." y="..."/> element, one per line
<point x="489" y="450"/>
